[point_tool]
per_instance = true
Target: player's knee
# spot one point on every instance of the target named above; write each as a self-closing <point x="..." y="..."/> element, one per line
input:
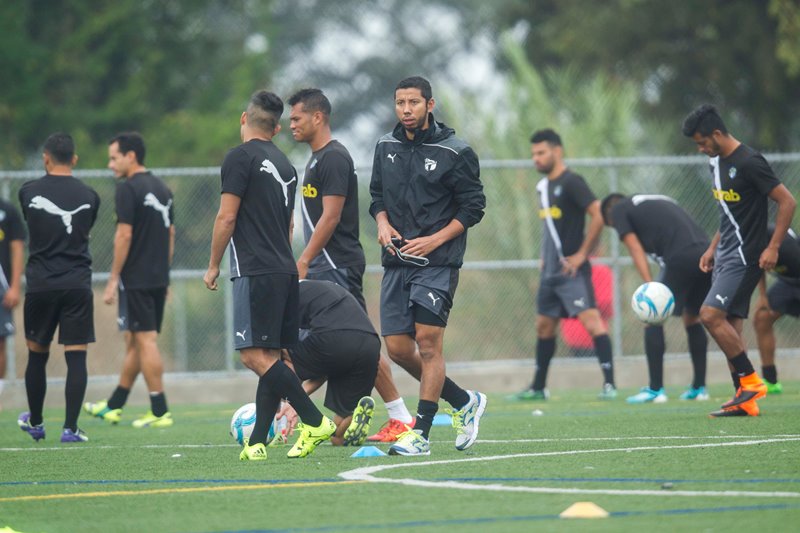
<point x="762" y="320"/>
<point x="545" y="327"/>
<point x="711" y="317"/>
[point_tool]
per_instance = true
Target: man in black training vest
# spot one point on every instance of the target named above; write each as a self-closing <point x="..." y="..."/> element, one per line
<point x="255" y="217"/>
<point x="741" y="182"/>
<point x="565" y="289"/>
<point x="59" y="210"/>
<point x="143" y="246"/>
<point x="655" y="224"/>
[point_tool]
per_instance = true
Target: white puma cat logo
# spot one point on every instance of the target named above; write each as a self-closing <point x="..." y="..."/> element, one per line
<point x="434" y="299"/>
<point x="269" y="168"/>
<point x="722" y="299"/>
<point x="150" y="200"/>
<point x="391" y="156"/>
<point x="40" y="202"/>
<point x="241" y="333"/>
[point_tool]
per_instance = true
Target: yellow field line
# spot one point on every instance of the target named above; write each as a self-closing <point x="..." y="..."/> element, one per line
<point x="148" y="492"/>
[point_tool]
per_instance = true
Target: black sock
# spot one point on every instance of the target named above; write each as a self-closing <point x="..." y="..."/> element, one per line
<point x="118" y="398"/>
<point x="268" y="398"/>
<point x="158" y="403"/>
<point x="289" y="387"/>
<point x="654" y="349"/>
<point x="426" y="410"/>
<point x="698" y="347"/>
<point x="735" y="378"/>
<point x="545" y="349"/>
<point x="75" y="387"/>
<point x="602" y="345"/>
<point x="770" y="373"/>
<point x="36" y="384"/>
<point x="453" y="394"/>
<point x="742" y="365"/>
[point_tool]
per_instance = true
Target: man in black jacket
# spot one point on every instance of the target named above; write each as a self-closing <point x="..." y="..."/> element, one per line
<point x="426" y="191"/>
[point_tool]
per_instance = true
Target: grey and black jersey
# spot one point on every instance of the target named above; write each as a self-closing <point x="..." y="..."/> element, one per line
<point x="741" y="184"/>
<point x="787" y="269"/>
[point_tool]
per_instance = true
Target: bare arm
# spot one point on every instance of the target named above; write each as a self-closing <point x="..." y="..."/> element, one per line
<point x="12" y="296"/>
<point x="638" y="255"/>
<point x="573" y="262"/>
<point x="707" y="259"/>
<point x="224" y="225"/>
<point x="171" y="243"/>
<point x="786" y="206"/>
<point x="122" y="246"/>
<point x="332" y="207"/>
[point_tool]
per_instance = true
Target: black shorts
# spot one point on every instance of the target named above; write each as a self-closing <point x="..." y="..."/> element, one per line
<point x="784" y="298"/>
<point x="141" y="309"/>
<point x="265" y="311"/>
<point x="70" y="310"/>
<point x="404" y="287"/>
<point x="732" y="285"/>
<point x="563" y="296"/>
<point x="348" y="359"/>
<point x="689" y="286"/>
<point x="350" y="278"/>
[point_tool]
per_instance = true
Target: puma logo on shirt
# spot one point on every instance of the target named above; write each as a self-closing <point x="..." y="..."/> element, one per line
<point x="42" y="203"/>
<point x="269" y="168"/>
<point x="150" y="200"/>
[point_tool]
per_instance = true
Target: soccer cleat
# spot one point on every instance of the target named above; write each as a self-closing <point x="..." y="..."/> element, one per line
<point x="391" y="430"/>
<point x="152" y="421"/>
<point x="356" y="433"/>
<point x="609" y="392"/>
<point x="746" y="409"/>
<point x="699" y="394"/>
<point x="530" y="394"/>
<point x="751" y="388"/>
<point x="311" y="437"/>
<point x="773" y="388"/>
<point x="410" y="443"/>
<point x="101" y="410"/>
<point x="73" y="436"/>
<point x="256" y="452"/>
<point x="467" y="419"/>
<point x="648" y="395"/>
<point x="24" y="423"/>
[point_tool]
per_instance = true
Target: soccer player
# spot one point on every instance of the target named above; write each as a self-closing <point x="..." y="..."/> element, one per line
<point x="338" y="345"/>
<point x="59" y="210"/>
<point x="740" y="251"/>
<point x="333" y="251"/>
<point x="12" y="261"/>
<point x="566" y="287"/>
<point x="255" y="216"/>
<point x="782" y="298"/>
<point x="656" y="225"/>
<point x="426" y="191"/>
<point x="143" y="245"/>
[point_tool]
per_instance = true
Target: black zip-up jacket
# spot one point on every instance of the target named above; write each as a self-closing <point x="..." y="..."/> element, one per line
<point x="424" y="184"/>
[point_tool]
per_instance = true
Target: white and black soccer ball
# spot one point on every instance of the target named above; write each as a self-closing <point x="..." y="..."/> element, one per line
<point x="243" y="421"/>
<point x="653" y="302"/>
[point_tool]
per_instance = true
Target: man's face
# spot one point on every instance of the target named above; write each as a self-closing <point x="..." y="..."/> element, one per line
<point x="412" y="109"/>
<point x="707" y="145"/>
<point x="545" y="156"/>
<point x="302" y="123"/>
<point x="119" y="163"/>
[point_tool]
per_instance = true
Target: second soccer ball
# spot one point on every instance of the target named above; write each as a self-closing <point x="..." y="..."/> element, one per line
<point x="653" y="302"/>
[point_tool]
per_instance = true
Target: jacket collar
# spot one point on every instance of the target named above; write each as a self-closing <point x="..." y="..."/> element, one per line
<point x="435" y="131"/>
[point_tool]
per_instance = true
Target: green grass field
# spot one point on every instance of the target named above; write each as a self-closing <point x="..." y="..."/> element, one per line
<point x="661" y="467"/>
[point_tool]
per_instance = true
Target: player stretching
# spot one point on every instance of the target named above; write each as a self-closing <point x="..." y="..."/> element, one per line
<point x="742" y="180"/>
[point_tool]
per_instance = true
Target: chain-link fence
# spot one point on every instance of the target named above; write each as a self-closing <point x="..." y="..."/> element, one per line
<point x="494" y="311"/>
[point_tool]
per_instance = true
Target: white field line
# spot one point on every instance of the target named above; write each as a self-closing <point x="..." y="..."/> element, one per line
<point x="366" y="474"/>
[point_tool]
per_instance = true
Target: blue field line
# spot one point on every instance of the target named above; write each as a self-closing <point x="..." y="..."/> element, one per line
<point x="528" y="518"/>
<point x="170" y="481"/>
<point x="617" y="480"/>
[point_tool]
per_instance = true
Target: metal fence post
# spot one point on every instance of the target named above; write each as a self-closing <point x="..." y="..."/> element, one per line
<point x="617" y="299"/>
<point x="180" y="329"/>
<point x="228" y="290"/>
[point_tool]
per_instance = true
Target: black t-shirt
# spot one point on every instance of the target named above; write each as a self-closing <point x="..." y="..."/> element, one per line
<point x="261" y="175"/>
<point x="326" y="306"/>
<point x="741" y="184"/>
<point x="665" y="230"/>
<point x="569" y="197"/>
<point x="788" y="266"/>
<point x="11" y="229"/>
<point x="330" y="172"/>
<point x="145" y="202"/>
<point x="59" y="211"/>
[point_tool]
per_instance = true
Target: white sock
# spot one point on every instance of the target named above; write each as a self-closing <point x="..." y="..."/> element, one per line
<point x="397" y="409"/>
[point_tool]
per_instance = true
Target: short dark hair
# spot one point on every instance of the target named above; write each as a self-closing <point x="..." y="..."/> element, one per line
<point x="264" y="110"/>
<point x="61" y="147"/>
<point x="703" y="120"/>
<point x="313" y="100"/>
<point x="608" y="204"/>
<point x="416" y="82"/>
<point x="546" y="135"/>
<point x="130" y="141"/>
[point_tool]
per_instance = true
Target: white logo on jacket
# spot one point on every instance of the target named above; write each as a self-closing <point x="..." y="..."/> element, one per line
<point x="42" y="203"/>
<point x="150" y="200"/>
<point x="391" y="156"/>
<point x="430" y="164"/>
<point x="269" y="168"/>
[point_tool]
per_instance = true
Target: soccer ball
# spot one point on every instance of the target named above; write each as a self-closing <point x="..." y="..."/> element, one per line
<point x="653" y="302"/>
<point x="244" y="419"/>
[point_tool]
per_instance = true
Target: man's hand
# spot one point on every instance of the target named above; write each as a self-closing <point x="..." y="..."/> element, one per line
<point x="571" y="264"/>
<point x="421" y="246"/>
<point x="302" y="269"/>
<point x="110" y="293"/>
<point x="386" y="233"/>
<point x="707" y="260"/>
<point x="11" y="298"/>
<point x="768" y="259"/>
<point x="210" y="278"/>
<point x="291" y="416"/>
